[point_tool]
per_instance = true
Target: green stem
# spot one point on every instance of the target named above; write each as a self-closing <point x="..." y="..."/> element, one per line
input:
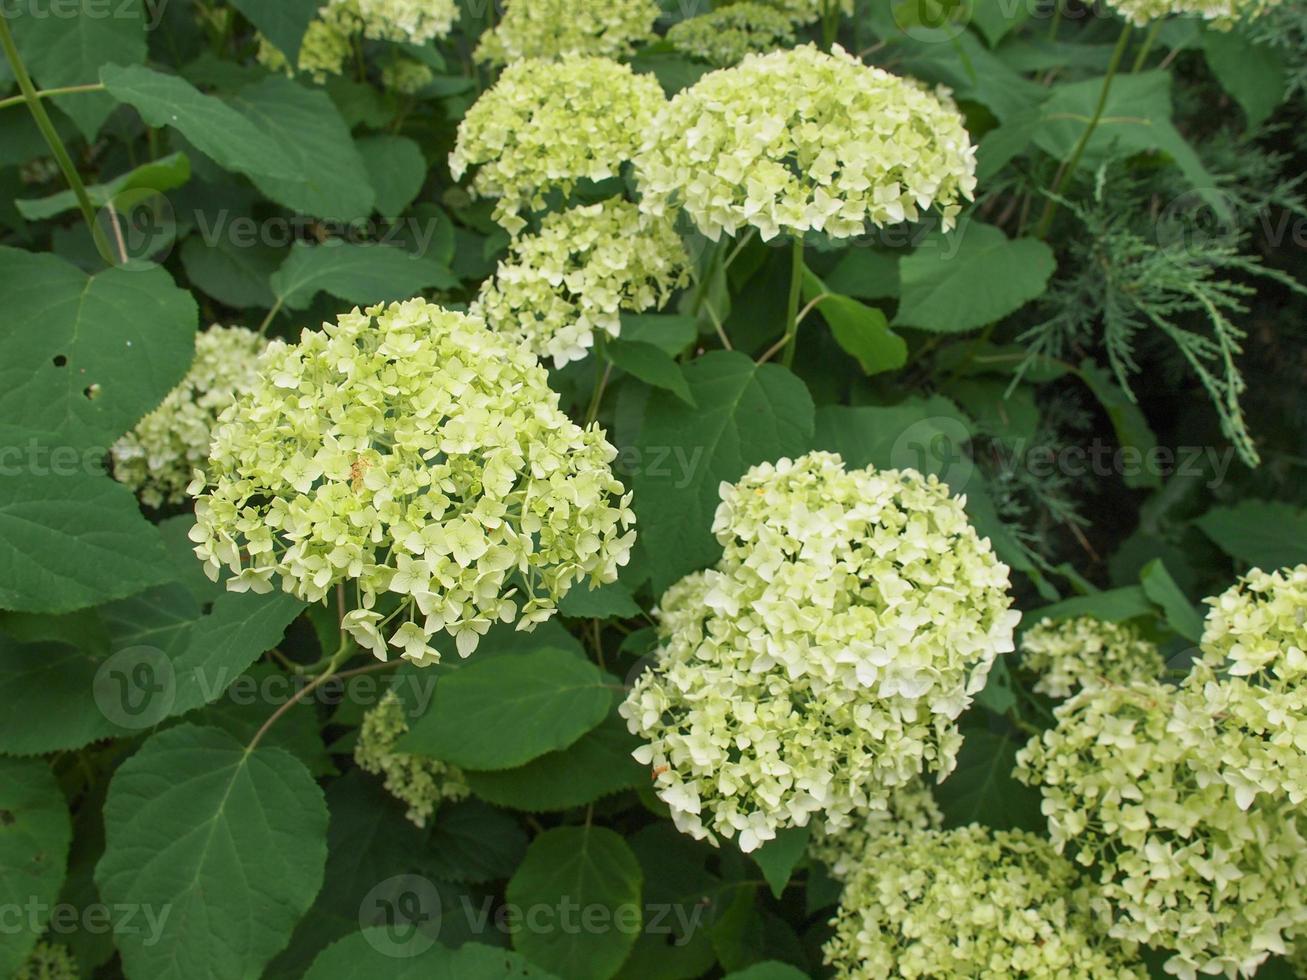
<point x="346" y="650"/>
<point x="1149" y="40"/>
<point x="50" y="93"/>
<point x="272" y="313"/>
<point x="830" y="23"/>
<point x="43" y="123"/>
<point x="792" y="305"/>
<point x="1068" y="168"/>
<point x="1057" y="20"/>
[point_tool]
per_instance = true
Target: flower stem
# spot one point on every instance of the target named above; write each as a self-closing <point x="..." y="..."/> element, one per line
<point x="1073" y="161"/>
<point x="792" y="306"/>
<point x="51" y="93"/>
<point x="43" y="123"/>
<point x="1149" y="40"/>
<point x="346" y="650"/>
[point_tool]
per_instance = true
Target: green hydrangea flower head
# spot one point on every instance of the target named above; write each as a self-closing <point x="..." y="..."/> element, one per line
<point x="158" y="457"/>
<point x="1258" y="627"/>
<point x="546" y="125"/>
<point x="408" y="21"/>
<point x="722" y="37"/>
<point x="970" y="902"/>
<point x="796" y="11"/>
<point x="328" y="44"/>
<point x="417" y="454"/>
<point x="406" y="75"/>
<point x="579" y="273"/>
<point x="1158" y="790"/>
<point x="822" y="664"/>
<point x="799" y="140"/>
<point x="909" y="807"/>
<point x="419" y="782"/>
<point x="1221" y="15"/>
<point x="552" y="28"/>
<point x="49" y="961"/>
<point x="1072" y="654"/>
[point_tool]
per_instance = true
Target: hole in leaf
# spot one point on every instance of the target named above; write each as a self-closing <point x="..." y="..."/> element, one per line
<point x="60" y="360"/>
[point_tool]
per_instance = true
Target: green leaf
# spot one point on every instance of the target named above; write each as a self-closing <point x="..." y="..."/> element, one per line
<point x="397" y="170"/>
<point x="1263" y="534"/>
<point x="65" y="44"/>
<point x="165" y="174"/>
<point x="668" y="332"/>
<point x="330" y="179"/>
<point x="85" y="356"/>
<point x="472" y="842"/>
<point x="228" y="844"/>
<point x="769" y="970"/>
<point x="650" y="364"/>
<point x="1112" y="606"/>
<point x="970" y="277"/>
<point x="983" y="790"/>
<point x="747" y="414"/>
<point x="778" y="858"/>
<point x="73" y="541"/>
<point x="35" y="834"/>
<point x="284" y="23"/>
<point x="1180" y="613"/>
<point x="605" y="602"/>
<point x="997" y="695"/>
<point x="1128" y="421"/>
<point x="866" y="274"/>
<point x="1252" y="73"/>
<point x="567" y="872"/>
<point x="234" y="275"/>
<point x="597" y="765"/>
<point x="364" y="956"/>
<point x="520" y="705"/>
<point x="861" y="331"/>
<point x="359" y="274"/>
<point x="209" y="124"/>
<point x="996" y="18"/>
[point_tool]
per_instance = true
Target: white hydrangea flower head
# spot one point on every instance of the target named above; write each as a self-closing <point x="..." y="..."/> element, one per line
<point x="1072" y="654"/>
<point x="328" y="44"/>
<point x="909" y="807"/>
<point x="419" y="782"/>
<point x="798" y="11"/>
<point x="1220" y="14"/>
<point x="409" y="21"/>
<point x="546" y="125"/>
<point x="1149" y="786"/>
<point x="799" y="140"/>
<point x="970" y="902"/>
<point x="1258" y="627"/>
<point x="823" y="663"/>
<point x="416" y="453"/>
<point x="551" y="28"/>
<point x="407" y="76"/>
<point x="579" y="273"/>
<point x="722" y="37"/>
<point x="158" y="457"/>
<point x="49" y="961"/>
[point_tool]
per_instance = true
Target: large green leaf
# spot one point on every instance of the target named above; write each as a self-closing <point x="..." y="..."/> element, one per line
<point x="746" y="414"/>
<point x="473" y="842"/>
<point x="1161" y="588"/>
<point x="863" y="331"/>
<point x="165" y="174"/>
<point x="573" y="875"/>
<point x="234" y="275"/>
<point x="778" y="857"/>
<point x="283" y="23"/>
<point x="73" y="541"/>
<point x="330" y="179"/>
<point x="397" y="170"/>
<point x="359" y="274"/>
<point x="597" y="765"/>
<point x="229" y="844"/>
<point x="363" y="956"/>
<point x="1253" y="73"/>
<point x="652" y="365"/>
<point x="64" y="42"/>
<point x="86" y="356"/>
<point x="983" y="790"/>
<point x="520" y="705"/>
<point x="970" y="277"/>
<point x="35" y="833"/>
<point x="1265" y="534"/>
<point x="212" y="127"/>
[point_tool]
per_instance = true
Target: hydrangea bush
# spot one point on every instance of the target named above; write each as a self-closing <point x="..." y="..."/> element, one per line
<point x="630" y="490"/>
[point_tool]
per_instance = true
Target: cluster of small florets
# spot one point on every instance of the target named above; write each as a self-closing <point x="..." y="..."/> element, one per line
<point x="798" y="11"/>
<point x="546" y="125"/>
<point x="579" y="273"/>
<point x="824" y="661"/>
<point x="908" y="808"/>
<point x="409" y="21"/>
<point x="800" y="140"/>
<point x="725" y="35"/>
<point x="415" y="452"/>
<point x="969" y="902"/>
<point x="1073" y="654"/>
<point x="48" y="961"/>
<point x="551" y="28"/>
<point x="327" y="45"/>
<point x="406" y="76"/>
<point x="1220" y="14"/>
<point x="419" y="782"/>
<point x="158" y="457"/>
